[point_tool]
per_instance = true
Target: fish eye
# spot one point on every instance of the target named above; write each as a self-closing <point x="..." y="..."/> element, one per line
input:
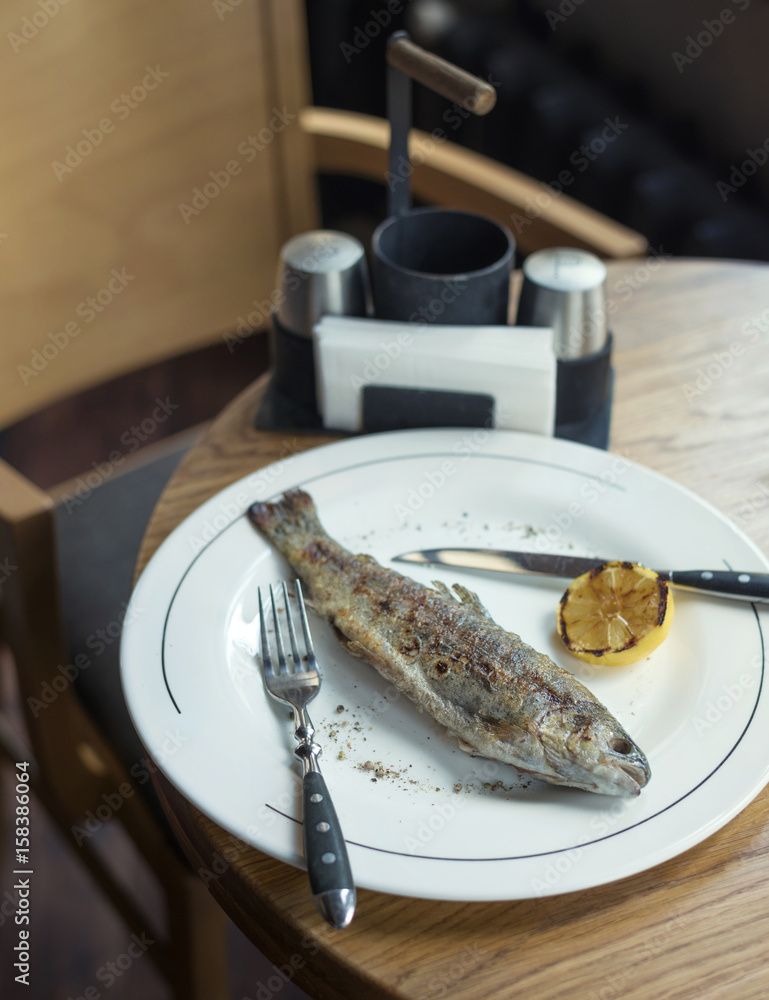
<point x="621" y="746"/>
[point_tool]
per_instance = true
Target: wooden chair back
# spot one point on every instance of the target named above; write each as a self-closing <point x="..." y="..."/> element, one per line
<point x="152" y="167"/>
<point x="450" y="175"/>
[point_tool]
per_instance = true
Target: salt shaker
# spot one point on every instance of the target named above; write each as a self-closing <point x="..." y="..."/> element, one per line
<point x="565" y="288"/>
<point x="322" y="272"/>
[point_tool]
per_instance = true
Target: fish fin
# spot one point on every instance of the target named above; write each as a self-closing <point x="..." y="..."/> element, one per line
<point x="293" y="514"/>
<point x="468" y="748"/>
<point x="503" y="729"/>
<point x="353" y="648"/>
<point x="463" y="595"/>
<point x="361" y="652"/>
<point x="470" y="599"/>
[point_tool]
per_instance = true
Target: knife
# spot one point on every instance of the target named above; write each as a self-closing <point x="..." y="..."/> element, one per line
<point x="716" y="582"/>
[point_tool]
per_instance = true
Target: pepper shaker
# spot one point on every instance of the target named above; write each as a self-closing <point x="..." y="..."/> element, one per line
<point x="565" y="288"/>
<point x="321" y="272"/>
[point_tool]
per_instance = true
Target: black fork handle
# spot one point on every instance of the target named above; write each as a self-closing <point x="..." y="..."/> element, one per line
<point x="325" y="851"/>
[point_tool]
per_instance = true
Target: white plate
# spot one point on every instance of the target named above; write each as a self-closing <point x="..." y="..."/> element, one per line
<point x="697" y="707"/>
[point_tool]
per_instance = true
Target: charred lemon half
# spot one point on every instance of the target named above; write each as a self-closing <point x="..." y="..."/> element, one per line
<point x="615" y="614"/>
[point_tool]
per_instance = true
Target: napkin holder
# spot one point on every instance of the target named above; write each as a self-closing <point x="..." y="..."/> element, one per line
<point x="413" y="265"/>
<point x="377" y="375"/>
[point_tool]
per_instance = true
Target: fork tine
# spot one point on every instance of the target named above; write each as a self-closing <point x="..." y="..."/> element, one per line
<point x="278" y="637"/>
<point x="311" y="660"/>
<point x="266" y="658"/>
<point x="291" y="632"/>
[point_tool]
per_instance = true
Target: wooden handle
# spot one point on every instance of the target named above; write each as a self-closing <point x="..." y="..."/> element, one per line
<point x="444" y="78"/>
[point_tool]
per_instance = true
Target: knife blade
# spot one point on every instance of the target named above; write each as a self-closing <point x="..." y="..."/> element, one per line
<point x="716" y="582"/>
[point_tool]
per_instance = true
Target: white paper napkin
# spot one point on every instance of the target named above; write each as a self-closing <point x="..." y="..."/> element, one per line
<point x="514" y="364"/>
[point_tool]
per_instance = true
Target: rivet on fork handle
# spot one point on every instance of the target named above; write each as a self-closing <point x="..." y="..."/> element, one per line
<point x="307" y="751"/>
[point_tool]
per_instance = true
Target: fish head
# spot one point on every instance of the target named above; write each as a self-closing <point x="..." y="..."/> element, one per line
<point x="587" y="748"/>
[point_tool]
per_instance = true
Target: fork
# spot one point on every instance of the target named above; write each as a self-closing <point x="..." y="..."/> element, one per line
<point x="324" y="848"/>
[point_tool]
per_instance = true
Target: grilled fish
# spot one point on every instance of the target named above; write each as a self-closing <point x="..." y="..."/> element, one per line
<point x="500" y="697"/>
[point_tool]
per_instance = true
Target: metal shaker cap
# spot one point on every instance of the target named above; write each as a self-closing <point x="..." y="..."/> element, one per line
<point x="321" y="272"/>
<point x="565" y="289"/>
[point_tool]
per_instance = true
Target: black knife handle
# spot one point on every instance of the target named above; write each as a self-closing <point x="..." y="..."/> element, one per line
<point x="326" y="853"/>
<point x="723" y="583"/>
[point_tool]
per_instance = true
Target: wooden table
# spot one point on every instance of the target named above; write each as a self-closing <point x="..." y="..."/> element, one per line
<point x="692" y="363"/>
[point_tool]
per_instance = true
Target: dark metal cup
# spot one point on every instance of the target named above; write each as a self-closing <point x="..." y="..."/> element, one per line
<point x="441" y="265"/>
<point x="435" y="264"/>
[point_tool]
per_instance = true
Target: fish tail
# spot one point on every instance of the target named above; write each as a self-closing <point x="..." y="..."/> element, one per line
<point x="288" y="522"/>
